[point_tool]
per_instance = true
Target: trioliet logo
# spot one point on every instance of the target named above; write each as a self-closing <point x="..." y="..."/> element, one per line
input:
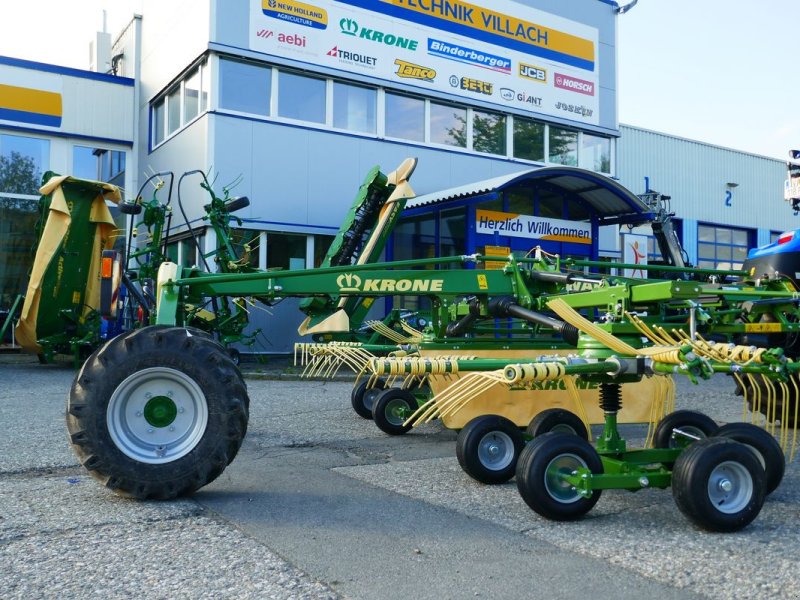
<point x="351" y="27"/>
<point x="350" y="282"/>
<point x="409" y="70"/>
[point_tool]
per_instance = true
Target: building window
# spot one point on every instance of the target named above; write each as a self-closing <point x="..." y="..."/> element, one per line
<point x="488" y="132"/>
<point x="452" y="236"/>
<point x="173" y="111"/>
<point x="528" y="139"/>
<point x="244" y="87"/>
<point x="23" y="161"/>
<point x="354" y="107"/>
<point x="563" y="146"/>
<point x="405" y="117"/>
<point x="721" y="247"/>
<point x="774" y="235"/>
<point x="286" y="251"/>
<point x="245" y="244"/>
<point x="158" y="122"/>
<point x="191" y="96"/>
<point x="448" y="125"/>
<point x="99" y="164"/>
<point x="596" y="153"/>
<point x="301" y="98"/>
<point x="322" y="244"/>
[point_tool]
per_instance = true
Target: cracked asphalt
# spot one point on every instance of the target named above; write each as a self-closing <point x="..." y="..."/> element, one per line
<point x="320" y="504"/>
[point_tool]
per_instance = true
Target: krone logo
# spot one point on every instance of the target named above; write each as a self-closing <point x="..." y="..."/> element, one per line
<point x="348" y="282"/>
<point x="349" y="26"/>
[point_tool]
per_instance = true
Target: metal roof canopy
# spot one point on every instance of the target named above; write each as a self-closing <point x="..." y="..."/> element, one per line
<point x="611" y="202"/>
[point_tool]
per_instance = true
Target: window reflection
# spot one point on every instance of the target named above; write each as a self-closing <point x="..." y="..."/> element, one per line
<point x="448" y="125"/>
<point x="301" y="98"/>
<point x="528" y="139"/>
<point x="244" y="87"/>
<point x="405" y="117"/>
<point x="563" y="146"/>
<point x="488" y="132"/>
<point x="354" y="107"/>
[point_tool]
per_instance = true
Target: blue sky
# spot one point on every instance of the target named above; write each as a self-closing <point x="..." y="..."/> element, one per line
<point x="725" y="72"/>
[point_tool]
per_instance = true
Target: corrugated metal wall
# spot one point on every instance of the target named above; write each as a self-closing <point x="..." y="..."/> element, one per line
<point x="697" y="175"/>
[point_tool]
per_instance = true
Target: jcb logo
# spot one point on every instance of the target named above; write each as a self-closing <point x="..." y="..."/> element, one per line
<point x="531" y="72"/>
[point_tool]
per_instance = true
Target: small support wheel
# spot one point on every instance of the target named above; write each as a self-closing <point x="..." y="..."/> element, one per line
<point x="694" y="424"/>
<point x="363" y="398"/>
<point x="488" y="448"/>
<point x="765" y="447"/>
<point x="540" y="471"/>
<point x="235" y="355"/>
<point x="557" y="419"/>
<point x="391" y="408"/>
<point x="719" y="484"/>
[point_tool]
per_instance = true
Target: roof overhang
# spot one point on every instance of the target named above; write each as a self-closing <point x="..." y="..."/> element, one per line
<point x="610" y="202"/>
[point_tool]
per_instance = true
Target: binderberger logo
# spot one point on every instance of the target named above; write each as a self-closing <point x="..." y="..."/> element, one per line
<point x="350" y="282"/>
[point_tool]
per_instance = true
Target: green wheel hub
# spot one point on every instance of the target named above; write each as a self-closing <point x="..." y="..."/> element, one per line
<point x="160" y="411"/>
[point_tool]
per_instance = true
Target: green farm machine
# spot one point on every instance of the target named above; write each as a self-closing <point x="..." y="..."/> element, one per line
<point x="521" y="360"/>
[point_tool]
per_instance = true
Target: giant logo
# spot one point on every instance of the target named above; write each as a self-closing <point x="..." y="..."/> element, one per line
<point x="351" y="27"/>
<point x="468" y="55"/>
<point x="573" y="84"/>
<point x="295" y="12"/>
<point x="409" y="70"/>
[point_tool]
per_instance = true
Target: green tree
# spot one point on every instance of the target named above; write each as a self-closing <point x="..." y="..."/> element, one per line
<point x="488" y="132"/>
<point x="19" y="174"/>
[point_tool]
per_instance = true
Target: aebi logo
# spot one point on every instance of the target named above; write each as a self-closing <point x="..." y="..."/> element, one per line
<point x="290" y="40"/>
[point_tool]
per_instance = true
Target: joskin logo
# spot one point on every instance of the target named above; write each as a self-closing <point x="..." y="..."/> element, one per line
<point x="351" y="27"/>
<point x="350" y="282"/>
<point x="472" y="85"/>
<point x="530" y="72"/>
<point x="409" y="70"/>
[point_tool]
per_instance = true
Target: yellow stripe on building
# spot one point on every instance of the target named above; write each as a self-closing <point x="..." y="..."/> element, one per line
<point x="30" y="100"/>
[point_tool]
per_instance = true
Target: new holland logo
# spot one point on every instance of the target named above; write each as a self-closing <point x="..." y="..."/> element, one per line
<point x="351" y="27"/>
<point x="350" y="282"/>
<point x="409" y="70"/>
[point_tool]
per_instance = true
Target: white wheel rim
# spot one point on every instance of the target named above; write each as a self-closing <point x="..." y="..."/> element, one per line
<point x="164" y="437"/>
<point x="496" y="450"/>
<point x="730" y="487"/>
<point x="557" y="487"/>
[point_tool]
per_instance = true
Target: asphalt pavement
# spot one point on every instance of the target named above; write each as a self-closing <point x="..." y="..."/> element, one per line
<point x="321" y="504"/>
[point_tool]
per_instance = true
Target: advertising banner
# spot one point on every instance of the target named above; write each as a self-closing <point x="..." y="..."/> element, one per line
<point x="497" y="51"/>
<point x="634" y="252"/>
<point x="536" y="228"/>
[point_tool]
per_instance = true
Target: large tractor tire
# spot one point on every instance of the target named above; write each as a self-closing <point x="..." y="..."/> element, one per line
<point x="158" y="412"/>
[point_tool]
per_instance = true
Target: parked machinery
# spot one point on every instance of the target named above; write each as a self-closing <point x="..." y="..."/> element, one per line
<point x="161" y="411"/>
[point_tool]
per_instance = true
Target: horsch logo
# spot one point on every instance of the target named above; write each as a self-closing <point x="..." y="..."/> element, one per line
<point x="573" y="84"/>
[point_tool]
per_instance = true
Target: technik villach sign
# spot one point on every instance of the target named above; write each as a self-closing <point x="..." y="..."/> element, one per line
<point x="490" y="222"/>
<point x="496" y="51"/>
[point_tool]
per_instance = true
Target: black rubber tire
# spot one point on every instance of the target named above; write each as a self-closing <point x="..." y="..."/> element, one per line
<point x="482" y="438"/>
<point x="789" y="399"/>
<point x="706" y="504"/>
<point x="235" y="355"/>
<point x="130" y="208"/>
<point x="691" y="421"/>
<point x="235" y="204"/>
<point x="537" y="475"/>
<point x="392" y="407"/>
<point x="187" y="354"/>
<point x="764" y="445"/>
<point x="363" y="398"/>
<point x="557" y="419"/>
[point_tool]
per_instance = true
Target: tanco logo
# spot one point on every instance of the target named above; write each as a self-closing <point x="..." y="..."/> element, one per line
<point x="350" y="27"/>
<point x="350" y="282"/>
<point x="409" y="70"/>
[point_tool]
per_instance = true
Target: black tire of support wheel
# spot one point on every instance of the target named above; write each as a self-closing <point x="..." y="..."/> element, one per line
<point x="484" y="436"/>
<point x="690" y="421"/>
<point x="693" y="484"/>
<point x="766" y="448"/>
<point x="195" y="355"/>
<point x="235" y="204"/>
<point x="557" y="419"/>
<point x="363" y="398"/>
<point x="537" y="475"/>
<point x="384" y="411"/>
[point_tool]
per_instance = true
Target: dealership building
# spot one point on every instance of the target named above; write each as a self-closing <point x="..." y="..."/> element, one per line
<point x="291" y="103"/>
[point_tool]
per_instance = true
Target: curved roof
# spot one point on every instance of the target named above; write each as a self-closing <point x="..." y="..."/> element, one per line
<point x="610" y="201"/>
